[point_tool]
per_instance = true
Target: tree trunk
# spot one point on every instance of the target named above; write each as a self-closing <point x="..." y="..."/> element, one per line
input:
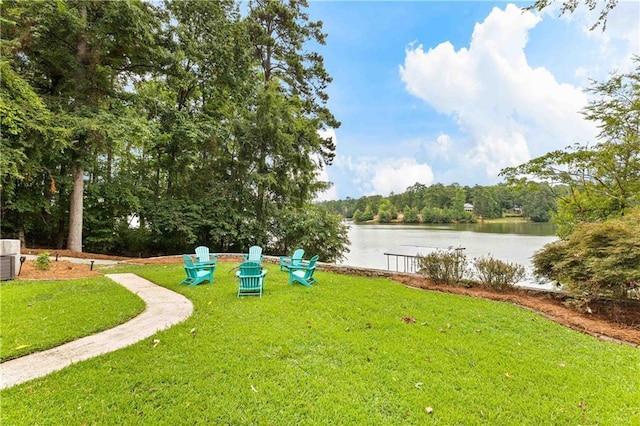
<point x="74" y="241"/>
<point x="21" y="237"/>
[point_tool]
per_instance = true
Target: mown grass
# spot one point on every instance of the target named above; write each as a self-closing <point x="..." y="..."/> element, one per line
<point x="343" y="352"/>
<point x="38" y="315"/>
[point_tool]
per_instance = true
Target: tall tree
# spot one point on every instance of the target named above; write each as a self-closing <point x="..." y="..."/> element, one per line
<point x="285" y="143"/>
<point x="78" y="55"/>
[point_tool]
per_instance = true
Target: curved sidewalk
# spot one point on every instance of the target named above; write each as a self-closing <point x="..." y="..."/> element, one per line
<point x="164" y="309"/>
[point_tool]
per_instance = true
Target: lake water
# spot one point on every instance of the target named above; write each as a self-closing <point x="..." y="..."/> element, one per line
<point x="510" y="242"/>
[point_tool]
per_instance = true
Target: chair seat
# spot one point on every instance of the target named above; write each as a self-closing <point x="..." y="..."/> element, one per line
<point x="303" y="273"/>
<point x="299" y="273"/>
<point x="196" y="274"/>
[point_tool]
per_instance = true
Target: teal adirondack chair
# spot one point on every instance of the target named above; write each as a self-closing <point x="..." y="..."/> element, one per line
<point x="255" y="254"/>
<point x="251" y="278"/>
<point x="195" y="274"/>
<point x="206" y="259"/>
<point x="303" y="273"/>
<point x="286" y="262"/>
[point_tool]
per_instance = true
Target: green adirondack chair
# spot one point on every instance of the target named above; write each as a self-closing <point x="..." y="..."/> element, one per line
<point x="206" y="259"/>
<point x="286" y="262"/>
<point x="303" y="273"/>
<point x="255" y="254"/>
<point x="195" y="274"/>
<point x="251" y="278"/>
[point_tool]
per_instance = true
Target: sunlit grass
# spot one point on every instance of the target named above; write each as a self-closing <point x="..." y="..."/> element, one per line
<point x="350" y="350"/>
<point x="37" y="315"/>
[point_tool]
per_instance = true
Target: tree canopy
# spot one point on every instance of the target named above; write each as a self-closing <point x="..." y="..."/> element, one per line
<point x="144" y="128"/>
<point x="602" y="179"/>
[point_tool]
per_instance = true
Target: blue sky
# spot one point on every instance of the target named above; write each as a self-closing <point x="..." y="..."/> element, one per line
<point x="454" y="91"/>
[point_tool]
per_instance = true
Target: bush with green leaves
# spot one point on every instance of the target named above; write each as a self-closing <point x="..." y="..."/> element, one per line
<point x="596" y="259"/>
<point x="497" y="274"/>
<point x="444" y="267"/>
<point x="42" y="261"/>
<point x="410" y="215"/>
<point x="312" y="228"/>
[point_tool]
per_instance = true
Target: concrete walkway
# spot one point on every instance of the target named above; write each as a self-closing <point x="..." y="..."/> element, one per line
<point x="164" y="309"/>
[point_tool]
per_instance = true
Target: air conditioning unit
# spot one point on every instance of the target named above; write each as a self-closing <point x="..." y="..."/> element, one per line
<point x="7" y="269"/>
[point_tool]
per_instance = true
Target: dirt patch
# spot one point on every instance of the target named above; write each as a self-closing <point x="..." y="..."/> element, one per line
<point x="62" y="269"/>
<point x="618" y="321"/>
<point x="71" y="253"/>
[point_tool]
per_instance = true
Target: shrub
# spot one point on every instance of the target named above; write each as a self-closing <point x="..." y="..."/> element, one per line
<point x="410" y="215"/>
<point x="495" y="273"/>
<point x="42" y="261"/>
<point x="597" y="259"/>
<point x="384" y="216"/>
<point x="444" y="267"/>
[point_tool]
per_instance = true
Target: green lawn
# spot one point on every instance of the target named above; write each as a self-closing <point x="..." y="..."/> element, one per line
<point x="341" y="353"/>
<point x="38" y="315"/>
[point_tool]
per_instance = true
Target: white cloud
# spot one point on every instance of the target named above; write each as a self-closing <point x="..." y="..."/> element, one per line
<point x="618" y="43"/>
<point x="373" y="176"/>
<point x="399" y="174"/>
<point x="509" y="110"/>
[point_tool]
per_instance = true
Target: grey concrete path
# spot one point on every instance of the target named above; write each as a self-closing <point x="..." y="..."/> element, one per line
<point x="164" y="309"/>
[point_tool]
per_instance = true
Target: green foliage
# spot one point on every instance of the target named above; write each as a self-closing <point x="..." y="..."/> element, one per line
<point x="387" y="211"/>
<point x="312" y="228"/>
<point x="444" y="267"/>
<point x="538" y="201"/>
<point x="367" y="214"/>
<point x="597" y="259"/>
<point x="410" y="215"/>
<point x="444" y="204"/>
<point x="42" y="261"/>
<point x="486" y="203"/>
<point x="497" y="274"/>
<point x="357" y="216"/>
<point x="437" y="215"/>
<point x="201" y="121"/>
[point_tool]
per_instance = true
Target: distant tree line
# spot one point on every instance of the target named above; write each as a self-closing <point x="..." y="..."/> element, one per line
<point x="440" y="203"/>
<point x="139" y="127"/>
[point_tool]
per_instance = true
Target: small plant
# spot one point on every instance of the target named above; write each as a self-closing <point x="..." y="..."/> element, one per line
<point x="444" y="267"/>
<point x="42" y="261"/>
<point x="495" y="273"/>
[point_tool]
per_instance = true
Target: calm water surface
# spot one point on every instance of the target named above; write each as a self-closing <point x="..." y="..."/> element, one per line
<point x="510" y="242"/>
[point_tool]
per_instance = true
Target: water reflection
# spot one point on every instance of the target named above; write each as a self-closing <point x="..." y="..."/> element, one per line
<point x="511" y="242"/>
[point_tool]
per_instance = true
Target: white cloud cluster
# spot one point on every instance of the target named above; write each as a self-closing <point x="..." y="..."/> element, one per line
<point x="397" y="175"/>
<point x="374" y="176"/>
<point x="509" y="110"/>
<point x="617" y="44"/>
